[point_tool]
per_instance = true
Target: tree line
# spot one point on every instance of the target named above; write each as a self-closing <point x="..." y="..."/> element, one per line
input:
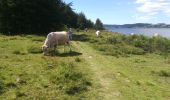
<point x="41" y="17"/>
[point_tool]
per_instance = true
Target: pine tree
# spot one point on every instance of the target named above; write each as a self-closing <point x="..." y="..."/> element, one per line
<point x="38" y="16"/>
<point x="99" y="25"/>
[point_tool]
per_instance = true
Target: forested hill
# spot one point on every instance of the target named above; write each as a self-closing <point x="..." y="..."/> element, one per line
<point x="39" y="16"/>
<point x="141" y="25"/>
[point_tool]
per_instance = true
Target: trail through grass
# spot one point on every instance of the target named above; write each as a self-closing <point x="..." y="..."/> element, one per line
<point x="136" y="77"/>
<point x="126" y="78"/>
<point x="84" y="74"/>
<point x="99" y="66"/>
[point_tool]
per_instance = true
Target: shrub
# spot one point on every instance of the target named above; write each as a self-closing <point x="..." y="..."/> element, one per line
<point x="150" y="83"/>
<point x="77" y="59"/>
<point x="35" y="49"/>
<point x="70" y="80"/>
<point x="119" y="50"/>
<point x="115" y="39"/>
<point x="167" y="61"/>
<point x="39" y="39"/>
<point x="13" y="38"/>
<point x="1" y="86"/>
<point x="164" y="73"/>
<point x="131" y="44"/>
<point x="21" y="51"/>
<point x="132" y="50"/>
<point x="16" y="52"/>
<point x="29" y="36"/>
<point x="20" y="94"/>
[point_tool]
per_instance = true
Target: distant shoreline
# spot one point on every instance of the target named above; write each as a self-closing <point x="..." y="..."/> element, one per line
<point x="140" y="25"/>
<point x="165" y="32"/>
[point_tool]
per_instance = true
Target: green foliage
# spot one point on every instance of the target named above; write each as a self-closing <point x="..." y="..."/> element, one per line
<point x="20" y="51"/>
<point x="34" y="49"/>
<point x="83" y="23"/>
<point x="78" y="59"/>
<point x="90" y="76"/>
<point x="153" y="44"/>
<point x="16" y="52"/>
<point x="38" y="17"/>
<point x="34" y="76"/>
<point x="120" y="50"/>
<point x="38" y="39"/>
<point x="115" y="39"/>
<point x="164" y="73"/>
<point x="123" y="45"/>
<point x="132" y="50"/>
<point x="69" y="80"/>
<point x="22" y="16"/>
<point x="1" y="86"/>
<point x="99" y="25"/>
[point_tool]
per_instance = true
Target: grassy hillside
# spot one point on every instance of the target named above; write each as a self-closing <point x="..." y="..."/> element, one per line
<point x="112" y="66"/>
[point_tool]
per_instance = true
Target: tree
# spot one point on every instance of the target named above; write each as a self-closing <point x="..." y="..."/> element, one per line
<point x="81" y="21"/>
<point x="32" y="16"/>
<point x="90" y="24"/>
<point x="38" y="16"/>
<point x="99" y="24"/>
<point x="70" y="19"/>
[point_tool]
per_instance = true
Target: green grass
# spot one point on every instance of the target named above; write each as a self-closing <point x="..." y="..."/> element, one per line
<point x="26" y="74"/>
<point x="95" y="70"/>
<point x="135" y="75"/>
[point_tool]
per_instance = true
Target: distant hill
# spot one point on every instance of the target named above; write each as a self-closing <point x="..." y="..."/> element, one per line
<point x="140" y="25"/>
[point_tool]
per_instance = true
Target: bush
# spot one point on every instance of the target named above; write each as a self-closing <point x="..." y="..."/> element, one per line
<point x="132" y="50"/>
<point x="1" y="86"/>
<point x="39" y="39"/>
<point x="34" y="49"/>
<point x="16" y="52"/>
<point x="29" y="36"/>
<point x="119" y="44"/>
<point x="115" y="39"/>
<point x="69" y="80"/>
<point x="20" y="51"/>
<point x="119" y="50"/>
<point x="77" y="59"/>
<point x="164" y="73"/>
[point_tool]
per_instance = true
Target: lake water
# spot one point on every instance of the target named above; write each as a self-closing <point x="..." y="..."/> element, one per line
<point x="165" y="32"/>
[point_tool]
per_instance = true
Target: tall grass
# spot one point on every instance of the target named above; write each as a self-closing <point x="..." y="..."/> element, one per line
<point x="124" y="45"/>
<point x="26" y="74"/>
<point x="1" y="86"/>
<point x="70" y="80"/>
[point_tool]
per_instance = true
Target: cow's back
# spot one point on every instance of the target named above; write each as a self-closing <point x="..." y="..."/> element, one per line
<point x="60" y="37"/>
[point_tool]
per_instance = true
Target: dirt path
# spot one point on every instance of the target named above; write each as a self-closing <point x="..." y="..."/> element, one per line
<point x="100" y="66"/>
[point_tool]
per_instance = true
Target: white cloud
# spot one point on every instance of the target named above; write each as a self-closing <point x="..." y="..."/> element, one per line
<point x="167" y="13"/>
<point x="153" y="7"/>
<point x="144" y="17"/>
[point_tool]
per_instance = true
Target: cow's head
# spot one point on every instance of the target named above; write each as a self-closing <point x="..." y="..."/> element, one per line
<point x="45" y="49"/>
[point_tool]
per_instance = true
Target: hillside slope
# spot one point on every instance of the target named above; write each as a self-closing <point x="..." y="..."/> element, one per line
<point x="85" y="73"/>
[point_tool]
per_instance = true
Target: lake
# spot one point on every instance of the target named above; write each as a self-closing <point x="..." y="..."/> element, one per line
<point x="165" y="32"/>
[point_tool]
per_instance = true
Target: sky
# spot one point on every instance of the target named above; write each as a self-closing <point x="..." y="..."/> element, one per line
<point x="124" y="11"/>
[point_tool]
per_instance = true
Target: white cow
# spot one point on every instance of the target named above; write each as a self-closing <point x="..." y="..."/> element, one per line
<point x="156" y="34"/>
<point x="54" y="39"/>
<point x="131" y="33"/>
<point x="98" y="33"/>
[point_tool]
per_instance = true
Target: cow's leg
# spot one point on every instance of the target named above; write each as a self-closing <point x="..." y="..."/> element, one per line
<point x="55" y="46"/>
<point x="64" y="48"/>
<point x="68" y="43"/>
